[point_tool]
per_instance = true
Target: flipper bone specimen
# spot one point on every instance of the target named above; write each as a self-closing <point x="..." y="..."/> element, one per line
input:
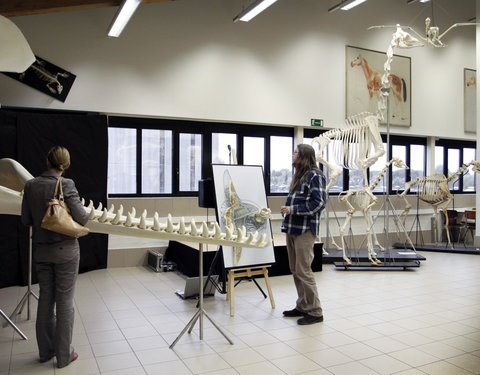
<point x="110" y="221"/>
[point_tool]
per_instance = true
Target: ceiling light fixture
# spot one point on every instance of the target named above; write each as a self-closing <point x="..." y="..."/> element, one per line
<point x="123" y="15"/>
<point x="414" y="1"/>
<point x="253" y="10"/>
<point x="346" y="5"/>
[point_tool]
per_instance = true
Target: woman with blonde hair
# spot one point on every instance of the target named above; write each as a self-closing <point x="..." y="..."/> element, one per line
<point x="56" y="258"/>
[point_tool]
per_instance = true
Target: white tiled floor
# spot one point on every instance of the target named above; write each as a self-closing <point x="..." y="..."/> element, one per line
<point x="421" y="321"/>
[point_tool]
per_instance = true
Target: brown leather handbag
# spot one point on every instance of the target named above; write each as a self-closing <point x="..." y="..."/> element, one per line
<point x="57" y="218"/>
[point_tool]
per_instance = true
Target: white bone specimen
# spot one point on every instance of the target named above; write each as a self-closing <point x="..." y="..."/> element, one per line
<point x="434" y="190"/>
<point x="432" y="33"/>
<point x="358" y="145"/>
<point x="110" y="221"/>
<point x="363" y="199"/>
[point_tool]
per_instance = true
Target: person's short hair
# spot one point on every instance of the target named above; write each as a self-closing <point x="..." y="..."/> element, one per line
<point x="59" y="158"/>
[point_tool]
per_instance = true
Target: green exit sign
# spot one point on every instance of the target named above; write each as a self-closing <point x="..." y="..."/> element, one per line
<point x="316" y="122"/>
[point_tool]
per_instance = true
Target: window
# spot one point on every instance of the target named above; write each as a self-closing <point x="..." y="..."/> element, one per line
<point x="450" y="155"/>
<point x="190" y="165"/>
<point x="453" y="163"/>
<point x="122" y="156"/>
<point x="163" y="157"/>
<point x="376" y="169"/>
<point x="254" y="151"/>
<point x="399" y="175"/>
<point x="281" y="149"/>
<point x="156" y="161"/>
<point x="224" y="148"/>
<point x="469" y="176"/>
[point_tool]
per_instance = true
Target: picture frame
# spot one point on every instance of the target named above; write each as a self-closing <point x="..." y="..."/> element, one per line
<point x="470" y="100"/>
<point x="242" y="187"/>
<point x="364" y="70"/>
<point x="47" y="78"/>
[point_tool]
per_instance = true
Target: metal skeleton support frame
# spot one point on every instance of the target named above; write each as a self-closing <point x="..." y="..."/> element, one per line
<point x="200" y="311"/>
<point x="352" y="144"/>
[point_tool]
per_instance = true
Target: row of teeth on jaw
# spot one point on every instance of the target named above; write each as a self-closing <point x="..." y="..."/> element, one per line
<point x="108" y="216"/>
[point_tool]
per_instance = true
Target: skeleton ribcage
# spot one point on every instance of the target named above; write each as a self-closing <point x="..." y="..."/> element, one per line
<point x="433" y="190"/>
<point x="353" y="144"/>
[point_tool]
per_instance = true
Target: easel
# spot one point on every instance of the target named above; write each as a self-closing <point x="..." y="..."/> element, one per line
<point x="26" y="298"/>
<point x="247" y="272"/>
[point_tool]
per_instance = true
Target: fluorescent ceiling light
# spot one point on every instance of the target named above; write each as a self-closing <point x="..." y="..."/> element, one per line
<point x="253" y="10"/>
<point x="123" y="15"/>
<point x="346" y="5"/>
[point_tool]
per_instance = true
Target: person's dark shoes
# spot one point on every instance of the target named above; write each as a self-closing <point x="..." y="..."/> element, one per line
<point x="292" y="313"/>
<point x="74" y="358"/>
<point x="309" y="319"/>
<point x="46" y="359"/>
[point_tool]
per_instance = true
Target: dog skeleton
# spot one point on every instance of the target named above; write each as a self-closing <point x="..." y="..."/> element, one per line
<point x="434" y="190"/>
<point x="364" y="199"/>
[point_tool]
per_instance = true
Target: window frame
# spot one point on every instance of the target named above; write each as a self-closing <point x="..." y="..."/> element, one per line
<point x="460" y="145"/>
<point x="205" y="129"/>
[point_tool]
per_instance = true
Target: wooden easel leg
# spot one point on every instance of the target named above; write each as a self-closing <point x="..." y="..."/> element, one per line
<point x="269" y="288"/>
<point x="231" y="288"/>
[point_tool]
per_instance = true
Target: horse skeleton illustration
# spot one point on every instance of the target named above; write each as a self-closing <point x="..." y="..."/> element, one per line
<point x="102" y="220"/>
<point x="373" y="79"/>
<point x="434" y="190"/>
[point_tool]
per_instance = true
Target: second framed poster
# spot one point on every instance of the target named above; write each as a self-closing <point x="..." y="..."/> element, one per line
<point x="364" y="70"/>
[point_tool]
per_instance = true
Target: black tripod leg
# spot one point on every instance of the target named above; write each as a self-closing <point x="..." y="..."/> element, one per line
<point x="259" y="288"/>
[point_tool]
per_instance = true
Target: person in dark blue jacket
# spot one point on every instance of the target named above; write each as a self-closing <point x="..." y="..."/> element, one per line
<point x="306" y="200"/>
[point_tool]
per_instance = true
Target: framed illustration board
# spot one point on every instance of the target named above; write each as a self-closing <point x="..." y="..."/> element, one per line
<point x="240" y="195"/>
<point x="364" y="70"/>
<point x="470" y="100"/>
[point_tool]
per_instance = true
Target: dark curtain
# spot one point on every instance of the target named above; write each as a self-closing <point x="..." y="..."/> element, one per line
<point x="27" y="137"/>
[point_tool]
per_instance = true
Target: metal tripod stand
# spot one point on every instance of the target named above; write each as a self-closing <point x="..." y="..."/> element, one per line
<point x="200" y="311"/>
<point x="26" y="298"/>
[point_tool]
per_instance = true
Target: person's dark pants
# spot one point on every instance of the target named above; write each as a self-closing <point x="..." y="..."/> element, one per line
<point x="57" y="270"/>
<point x="300" y="257"/>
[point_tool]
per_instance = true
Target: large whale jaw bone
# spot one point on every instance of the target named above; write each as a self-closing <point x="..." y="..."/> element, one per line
<point x="110" y="221"/>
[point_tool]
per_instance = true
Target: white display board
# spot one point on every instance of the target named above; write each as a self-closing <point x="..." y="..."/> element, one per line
<point x="240" y="196"/>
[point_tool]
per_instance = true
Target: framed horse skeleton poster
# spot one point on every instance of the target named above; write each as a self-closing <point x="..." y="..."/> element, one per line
<point x="364" y="70"/>
<point x="470" y="100"/>
<point x="242" y="202"/>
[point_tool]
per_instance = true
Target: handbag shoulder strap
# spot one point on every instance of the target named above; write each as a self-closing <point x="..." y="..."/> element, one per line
<point x="58" y="189"/>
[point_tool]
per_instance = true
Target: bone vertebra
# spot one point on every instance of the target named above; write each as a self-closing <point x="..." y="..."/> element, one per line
<point x="14" y="176"/>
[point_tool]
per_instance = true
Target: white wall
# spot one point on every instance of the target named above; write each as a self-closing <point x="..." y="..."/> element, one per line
<point x="187" y="59"/>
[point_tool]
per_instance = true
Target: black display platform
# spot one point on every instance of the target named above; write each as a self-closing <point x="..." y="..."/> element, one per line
<point x="377" y="267"/>
<point x="443" y="248"/>
<point x="186" y="259"/>
<point x="387" y="256"/>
